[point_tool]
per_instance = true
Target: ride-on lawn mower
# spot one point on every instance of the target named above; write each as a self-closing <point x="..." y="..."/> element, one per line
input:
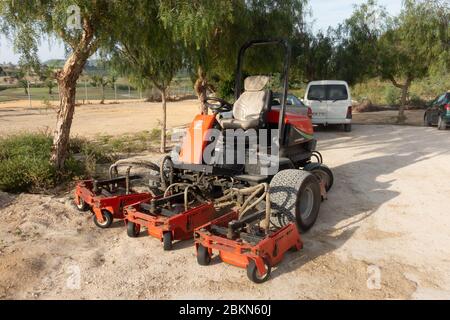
<point x="107" y="198"/>
<point x="270" y="178"/>
<point x="293" y="191"/>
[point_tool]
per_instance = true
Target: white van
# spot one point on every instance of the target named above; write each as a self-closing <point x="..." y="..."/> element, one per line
<point x="330" y="102"/>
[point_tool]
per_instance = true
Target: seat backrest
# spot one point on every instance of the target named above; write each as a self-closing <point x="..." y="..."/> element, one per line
<point x="253" y="101"/>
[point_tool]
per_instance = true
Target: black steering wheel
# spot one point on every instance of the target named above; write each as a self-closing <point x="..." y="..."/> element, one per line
<point x="218" y="105"/>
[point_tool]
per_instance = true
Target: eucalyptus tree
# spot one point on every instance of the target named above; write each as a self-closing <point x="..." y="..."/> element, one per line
<point x="415" y="42"/>
<point x="82" y="25"/>
<point x="213" y="32"/>
<point x="147" y="52"/>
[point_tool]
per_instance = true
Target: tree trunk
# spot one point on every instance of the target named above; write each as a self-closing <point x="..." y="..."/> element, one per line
<point x="164" y="121"/>
<point x="401" y="118"/>
<point x="103" y="95"/>
<point x="200" y="87"/>
<point x="67" y="80"/>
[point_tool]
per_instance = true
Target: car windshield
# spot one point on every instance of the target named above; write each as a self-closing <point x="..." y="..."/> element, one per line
<point x="328" y="92"/>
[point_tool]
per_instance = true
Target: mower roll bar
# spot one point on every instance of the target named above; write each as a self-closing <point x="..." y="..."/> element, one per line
<point x="287" y="58"/>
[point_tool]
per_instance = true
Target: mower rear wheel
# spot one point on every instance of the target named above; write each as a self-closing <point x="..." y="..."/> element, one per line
<point x="81" y="205"/>
<point x="203" y="256"/>
<point x="167" y="241"/>
<point x="322" y="173"/>
<point x="295" y="196"/>
<point x="133" y="229"/>
<point x="253" y="274"/>
<point x="107" y="220"/>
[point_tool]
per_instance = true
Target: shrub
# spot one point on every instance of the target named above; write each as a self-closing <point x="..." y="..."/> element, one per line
<point x="24" y="163"/>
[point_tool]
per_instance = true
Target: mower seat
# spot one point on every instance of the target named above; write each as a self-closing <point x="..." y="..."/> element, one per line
<point x="250" y="109"/>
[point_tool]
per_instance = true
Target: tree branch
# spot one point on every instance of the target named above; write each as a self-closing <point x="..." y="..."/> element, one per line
<point x="394" y="82"/>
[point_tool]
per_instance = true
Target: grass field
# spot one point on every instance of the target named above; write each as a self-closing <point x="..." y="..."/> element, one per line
<point x="180" y="86"/>
<point x="92" y="93"/>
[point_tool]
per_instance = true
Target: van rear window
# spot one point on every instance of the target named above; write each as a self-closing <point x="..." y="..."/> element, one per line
<point x="317" y="93"/>
<point x="337" y="92"/>
<point x="328" y="92"/>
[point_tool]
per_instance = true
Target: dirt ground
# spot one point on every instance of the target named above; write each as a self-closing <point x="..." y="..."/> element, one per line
<point x="382" y="233"/>
<point x="94" y="119"/>
<point x="135" y="116"/>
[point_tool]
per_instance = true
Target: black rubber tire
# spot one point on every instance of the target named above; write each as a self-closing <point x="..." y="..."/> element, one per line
<point x="317" y="169"/>
<point x="133" y="229"/>
<point x="82" y="206"/>
<point x="426" y="121"/>
<point x="348" y="127"/>
<point x="203" y="256"/>
<point x="252" y="272"/>
<point x="286" y="189"/>
<point x="167" y="241"/>
<point x="442" y="125"/>
<point x="107" y="216"/>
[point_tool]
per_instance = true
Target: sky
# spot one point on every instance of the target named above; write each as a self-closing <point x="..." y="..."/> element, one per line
<point x="325" y="13"/>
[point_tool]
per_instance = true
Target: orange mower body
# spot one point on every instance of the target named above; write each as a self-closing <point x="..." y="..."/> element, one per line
<point x="107" y="207"/>
<point x="257" y="257"/>
<point x="167" y="225"/>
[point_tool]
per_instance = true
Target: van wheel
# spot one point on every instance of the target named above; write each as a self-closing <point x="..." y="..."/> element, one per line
<point x="348" y="127"/>
<point x="442" y="125"/>
<point x="295" y="196"/>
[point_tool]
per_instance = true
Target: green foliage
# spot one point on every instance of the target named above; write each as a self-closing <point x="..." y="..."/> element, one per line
<point x="392" y="95"/>
<point x="381" y="92"/>
<point x="213" y="34"/>
<point x="225" y="88"/>
<point x="150" y="56"/>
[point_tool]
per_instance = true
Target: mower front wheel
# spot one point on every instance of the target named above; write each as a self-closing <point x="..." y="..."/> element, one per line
<point x="107" y="220"/>
<point x="167" y="241"/>
<point x="253" y="274"/>
<point x="81" y="204"/>
<point x="203" y="256"/>
<point x="133" y="229"/>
